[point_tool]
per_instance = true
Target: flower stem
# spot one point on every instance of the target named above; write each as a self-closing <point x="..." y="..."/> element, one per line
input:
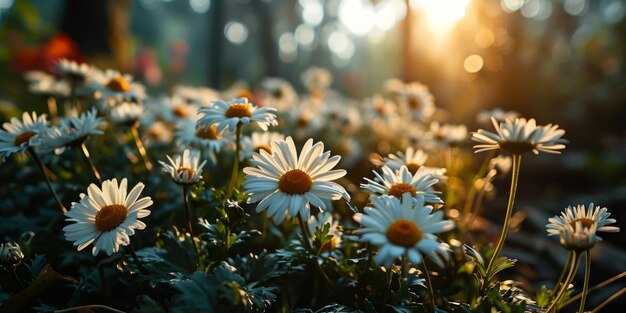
<point x="609" y="300"/>
<point x="189" y="223"/>
<point x="131" y="249"/>
<point x="89" y="161"/>
<point x="233" y="178"/>
<point x="52" y="107"/>
<point x="566" y="266"/>
<point x="568" y="280"/>
<point x="509" y="212"/>
<point x="387" y="288"/>
<point x="405" y="265"/>
<point x="140" y="148"/>
<point x="305" y="233"/>
<point x="429" y="285"/>
<point x="586" y="281"/>
<point x="476" y="212"/>
<point x="596" y="287"/>
<point x="469" y="203"/>
<point x="42" y="168"/>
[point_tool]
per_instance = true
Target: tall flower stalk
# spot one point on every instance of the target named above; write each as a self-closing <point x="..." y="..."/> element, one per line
<point x="509" y="211"/>
<point x="89" y="161"/>
<point x="134" y="130"/>
<point x="44" y="172"/>
<point x="235" y="174"/>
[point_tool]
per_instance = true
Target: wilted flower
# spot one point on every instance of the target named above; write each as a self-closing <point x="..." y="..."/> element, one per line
<point x="287" y="183"/>
<point x="226" y="115"/>
<point x="10" y="254"/>
<point x="18" y="135"/>
<point x="396" y="183"/>
<point x="520" y="136"/>
<point x="185" y="169"/>
<point x="578" y="227"/>
<point x="403" y="227"/>
<point x="107" y="216"/>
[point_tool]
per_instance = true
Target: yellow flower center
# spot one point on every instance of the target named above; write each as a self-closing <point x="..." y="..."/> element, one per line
<point x="23" y="137"/>
<point x="110" y="216"/>
<point x="180" y="111"/>
<point x="399" y="189"/>
<point x="517" y="147"/>
<point x="209" y="133"/>
<point x="295" y="182"/>
<point x="266" y="148"/>
<point x="238" y="110"/>
<point x="413" y="167"/>
<point x="118" y="84"/>
<point x="404" y="233"/>
<point x="181" y="171"/>
<point x="414" y="103"/>
<point x="587" y="223"/>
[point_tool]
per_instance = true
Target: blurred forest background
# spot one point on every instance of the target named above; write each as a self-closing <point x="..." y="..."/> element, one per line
<point x="558" y="61"/>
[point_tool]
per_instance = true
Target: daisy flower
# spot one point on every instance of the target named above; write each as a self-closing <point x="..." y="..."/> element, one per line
<point x="501" y="165"/>
<point x="40" y="83"/>
<point x="127" y="113"/>
<point x="73" y="70"/>
<point x="227" y="115"/>
<point x="10" y="254"/>
<point x="71" y="133"/>
<point x="403" y="227"/>
<point x="257" y="142"/>
<point x="316" y="78"/>
<point x="396" y="183"/>
<point x="577" y="227"/>
<point x="205" y="139"/>
<point x="106" y="216"/>
<point x="417" y="101"/>
<point x="413" y="160"/>
<point x="287" y="183"/>
<point x="185" y="169"/>
<point x="112" y="87"/>
<point x="519" y="136"/>
<point x="447" y="134"/>
<point x="199" y="96"/>
<point x="279" y="93"/>
<point x="19" y="135"/>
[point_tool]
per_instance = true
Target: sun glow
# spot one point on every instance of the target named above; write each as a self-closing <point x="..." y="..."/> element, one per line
<point x="441" y="13"/>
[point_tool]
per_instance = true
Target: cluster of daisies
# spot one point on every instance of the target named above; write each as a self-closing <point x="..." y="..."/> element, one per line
<point x="288" y="173"/>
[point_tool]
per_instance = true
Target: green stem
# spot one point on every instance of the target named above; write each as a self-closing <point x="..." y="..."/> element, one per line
<point x="609" y="300"/>
<point x="131" y="249"/>
<point x="233" y="178"/>
<point x="305" y="233"/>
<point x="89" y="161"/>
<point x="429" y="285"/>
<point x="52" y="108"/>
<point x="388" y="287"/>
<point x="405" y="265"/>
<point x="476" y="212"/>
<point x="509" y="212"/>
<point x="42" y="168"/>
<point x="568" y="280"/>
<point x="586" y="282"/>
<point x="596" y="287"/>
<point x="140" y="148"/>
<point x="559" y="283"/>
<point x="469" y="203"/>
<point x="189" y="223"/>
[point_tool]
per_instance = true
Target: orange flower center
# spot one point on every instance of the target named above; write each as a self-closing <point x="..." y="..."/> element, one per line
<point x="266" y="148"/>
<point x="110" y="216"/>
<point x="440" y="136"/>
<point x="23" y="137"/>
<point x="302" y="122"/>
<point x="118" y="84"/>
<point x="404" y="233"/>
<point x="181" y="172"/>
<point x="399" y="189"/>
<point x="295" y="182"/>
<point x="245" y="93"/>
<point x="180" y="111"/>
<point x="587" y="223"/>
<point x="238" y="110"/>
<point x="413" y="167"/>
<point x="209" y="133"/>
<point x="414" y="103"/>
